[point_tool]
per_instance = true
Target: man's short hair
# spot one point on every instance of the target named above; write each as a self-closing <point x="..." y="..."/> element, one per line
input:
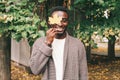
<point x="58" y="8"/>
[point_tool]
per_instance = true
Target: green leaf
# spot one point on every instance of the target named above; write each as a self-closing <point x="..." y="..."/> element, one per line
<point x="99" y="1"/>
<point x="41" y="1"/>
<point x="78" y="1"/>
<point x="24" y="34"/>
<point x="42" y="33"/>
<point x="43" y="23"/>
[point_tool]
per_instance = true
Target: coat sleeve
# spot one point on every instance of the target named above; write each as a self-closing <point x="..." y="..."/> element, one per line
<point x="83" y="63"/>
<point x="40" y="56"/>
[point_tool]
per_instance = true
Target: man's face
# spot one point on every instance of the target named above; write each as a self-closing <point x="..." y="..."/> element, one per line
<point x="61" y="25"/>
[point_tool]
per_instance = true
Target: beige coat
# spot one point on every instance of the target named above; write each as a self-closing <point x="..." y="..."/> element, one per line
<point x="75" y="64"/>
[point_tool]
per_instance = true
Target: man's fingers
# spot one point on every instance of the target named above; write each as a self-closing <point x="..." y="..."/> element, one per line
<point x="51" y="32"/>
<point x="48" y="31"/>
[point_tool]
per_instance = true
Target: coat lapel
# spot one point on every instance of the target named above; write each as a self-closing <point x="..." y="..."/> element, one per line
<point x="66" y="47"/>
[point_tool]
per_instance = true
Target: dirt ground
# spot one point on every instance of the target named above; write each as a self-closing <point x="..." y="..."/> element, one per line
<point x="100" y="68"/>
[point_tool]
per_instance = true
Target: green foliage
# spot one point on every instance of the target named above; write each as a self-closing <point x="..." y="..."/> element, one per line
<point x="18" y="19"/>
<point x="41" y="1"/>
<point x="95" y="15"/>
<point x="38" y="1"/>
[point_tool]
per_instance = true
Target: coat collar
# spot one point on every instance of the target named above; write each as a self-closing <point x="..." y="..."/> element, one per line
<point x="65" y="52"/>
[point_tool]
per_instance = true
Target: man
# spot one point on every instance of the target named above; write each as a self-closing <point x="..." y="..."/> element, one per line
<point x="58" y="56"/>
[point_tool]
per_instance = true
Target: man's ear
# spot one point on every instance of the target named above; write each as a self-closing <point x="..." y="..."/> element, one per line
<point x="48" y="23"/>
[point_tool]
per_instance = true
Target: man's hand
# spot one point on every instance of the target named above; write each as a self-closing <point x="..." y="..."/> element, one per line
<point x="50" y="34"/>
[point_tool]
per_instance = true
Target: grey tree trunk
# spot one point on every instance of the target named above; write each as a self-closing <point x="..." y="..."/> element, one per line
<point x="88" y="53"/>
<point x="111" y="48"/>
<point x="5" y="58"/>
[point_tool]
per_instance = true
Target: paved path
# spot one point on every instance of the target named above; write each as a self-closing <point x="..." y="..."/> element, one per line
<point x="102" y="49"/>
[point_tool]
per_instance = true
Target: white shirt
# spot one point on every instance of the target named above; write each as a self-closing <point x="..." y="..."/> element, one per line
<point x="57" y="54"/>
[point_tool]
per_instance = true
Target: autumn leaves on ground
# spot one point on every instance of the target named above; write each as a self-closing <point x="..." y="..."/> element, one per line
<point x="100" y="68"/>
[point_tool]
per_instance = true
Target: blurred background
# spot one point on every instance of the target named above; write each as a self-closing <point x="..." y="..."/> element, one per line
<point x="95" y="22"/>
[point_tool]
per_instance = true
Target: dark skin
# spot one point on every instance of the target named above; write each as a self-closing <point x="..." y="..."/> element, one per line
<point x="57" y="31"/>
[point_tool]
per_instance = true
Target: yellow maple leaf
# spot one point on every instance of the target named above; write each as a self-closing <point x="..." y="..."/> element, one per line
<point x="55" y="19"/>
